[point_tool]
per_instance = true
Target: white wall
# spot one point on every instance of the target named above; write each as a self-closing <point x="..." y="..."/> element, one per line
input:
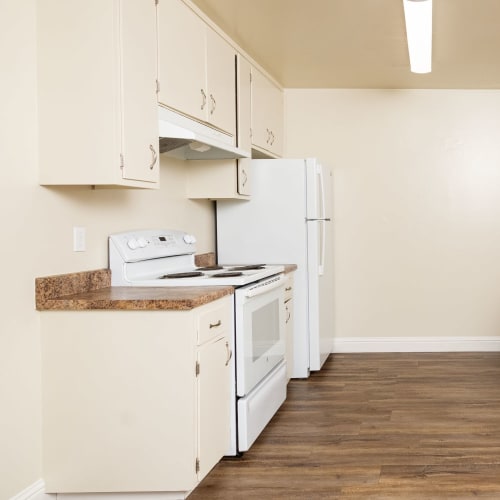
<point x="416" y="209"/>
<point x="36" y="240"/>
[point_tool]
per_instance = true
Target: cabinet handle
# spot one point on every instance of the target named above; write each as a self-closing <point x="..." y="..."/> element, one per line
<point x="154" y="157"/>
<point x="268" y="135"/>
<point x="272" y="137"/>
<point x="288" y="288"/>
<point x="204" y="99"/>
<point x="245" y="177"/>
<point x="214" y="104"/>
<point x="215" y="325"/>
<point x="287" y="300"/>
<point x="229" y="353"/>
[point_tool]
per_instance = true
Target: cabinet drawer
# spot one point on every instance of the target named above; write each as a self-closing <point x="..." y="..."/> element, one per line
<point x="213" y="322"/>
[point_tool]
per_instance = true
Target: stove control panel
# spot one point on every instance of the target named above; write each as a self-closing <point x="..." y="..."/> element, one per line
<point x="149" y="244"/>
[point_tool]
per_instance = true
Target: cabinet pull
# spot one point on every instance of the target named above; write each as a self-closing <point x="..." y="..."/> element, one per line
<point x="214" y="104"/>
<point x="215" y="325"/>
<point x="287" y="300"/>
<point x="268" y="135"/>
<point x="245" y="177"/>
<point x="154" y="157"/>
<point x="229" y="353"/>
<point x="289" y="315"/>
<point x="288" y="288"/>
<point x="272" y="138"/>
<point x="204" y="99"/>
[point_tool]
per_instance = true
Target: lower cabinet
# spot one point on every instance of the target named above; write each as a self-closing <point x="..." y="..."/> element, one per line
<point x="135" y="401"/>
<point x="289" y="324"/>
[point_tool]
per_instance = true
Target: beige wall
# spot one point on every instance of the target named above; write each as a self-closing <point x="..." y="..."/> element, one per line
<point x="36" y="240"/>
<point x="416" y="209"/>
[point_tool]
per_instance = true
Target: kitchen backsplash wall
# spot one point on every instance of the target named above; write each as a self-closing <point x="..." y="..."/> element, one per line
<point x="37" y="240"/>
<point x="416" y="207"/>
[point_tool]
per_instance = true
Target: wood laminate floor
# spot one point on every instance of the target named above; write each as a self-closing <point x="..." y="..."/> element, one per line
<point x="377" y="426"/>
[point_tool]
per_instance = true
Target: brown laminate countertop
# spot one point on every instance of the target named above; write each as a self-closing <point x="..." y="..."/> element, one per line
<point x="91" y="290"/>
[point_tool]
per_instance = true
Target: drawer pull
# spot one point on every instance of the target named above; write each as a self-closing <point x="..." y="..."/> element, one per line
<point x="215" y="325"/>
<point x="287" y="300"/>
<point x="288" y="288"/>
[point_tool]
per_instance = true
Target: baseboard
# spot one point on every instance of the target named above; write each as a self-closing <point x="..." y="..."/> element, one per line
<point x="415" y="344"/>
<point x="37" y="492"/>
<point x="34" y="492"/>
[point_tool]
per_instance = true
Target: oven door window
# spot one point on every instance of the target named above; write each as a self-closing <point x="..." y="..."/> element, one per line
<point x="260" y="342"/>
<point x="265" y="335"/>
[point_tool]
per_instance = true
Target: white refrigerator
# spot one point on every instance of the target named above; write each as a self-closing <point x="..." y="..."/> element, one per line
<point x="288" y="220"/>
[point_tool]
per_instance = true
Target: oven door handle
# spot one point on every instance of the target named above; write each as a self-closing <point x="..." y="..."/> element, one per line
<point x="264" y="287"/>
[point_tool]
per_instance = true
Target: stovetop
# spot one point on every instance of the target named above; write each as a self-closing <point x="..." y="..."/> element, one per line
<point x="166" y="258"/>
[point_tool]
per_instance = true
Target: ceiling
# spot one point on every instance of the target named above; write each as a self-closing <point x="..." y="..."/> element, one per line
<point x="362" y="43"/>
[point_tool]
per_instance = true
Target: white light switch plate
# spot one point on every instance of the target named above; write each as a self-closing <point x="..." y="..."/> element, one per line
<point x="79" y="239"/>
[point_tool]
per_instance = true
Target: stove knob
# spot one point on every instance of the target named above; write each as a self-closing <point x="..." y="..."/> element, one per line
<point x="142" y="242"/>
<point x="132" y="244"/>
<point x="189" y="239"/>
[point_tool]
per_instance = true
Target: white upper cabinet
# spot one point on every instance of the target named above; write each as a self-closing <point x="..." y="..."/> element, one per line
<point x="197" y="68"/>
<point x="267" y="117"/>
<point x="139" y="65"/>
<point x="97" y="102"/>
<point x="182" y="59"/>
<point x="228" y="179"/>
<point x="221" y="86"/>
<point x="244" y="102"/>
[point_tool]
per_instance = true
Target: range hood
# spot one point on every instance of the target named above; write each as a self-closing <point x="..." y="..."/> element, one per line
<point x="184" y="138"/>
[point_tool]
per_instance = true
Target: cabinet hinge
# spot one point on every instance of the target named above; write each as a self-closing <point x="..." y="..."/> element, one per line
<point x="121" y="161"/>
<point x="197" y="368"/>
<point x="157" y="86"/>
<point x="197" y="466"/>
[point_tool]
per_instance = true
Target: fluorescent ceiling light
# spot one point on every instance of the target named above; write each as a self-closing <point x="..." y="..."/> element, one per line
<point x="418" y="17"/>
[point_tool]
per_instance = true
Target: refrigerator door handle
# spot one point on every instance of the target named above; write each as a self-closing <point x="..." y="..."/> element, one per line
<point x="321" y="267"/>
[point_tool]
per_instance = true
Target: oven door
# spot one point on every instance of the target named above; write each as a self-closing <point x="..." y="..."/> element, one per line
<point x="260" y="342"/>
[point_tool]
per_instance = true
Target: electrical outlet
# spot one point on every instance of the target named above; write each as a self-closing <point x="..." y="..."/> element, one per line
<point x="79" y="239"/>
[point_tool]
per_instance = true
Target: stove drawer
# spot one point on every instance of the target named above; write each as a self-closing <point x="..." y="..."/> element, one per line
<point x="213" y="321"/>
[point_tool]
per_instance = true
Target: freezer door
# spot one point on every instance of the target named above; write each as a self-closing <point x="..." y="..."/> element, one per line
<point x="320" y="263"/>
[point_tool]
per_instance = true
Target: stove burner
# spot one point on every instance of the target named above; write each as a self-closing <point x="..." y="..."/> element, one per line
<point x="192" y="274"/>
<point x="209" y="268"/>
<point x="250" y="267"/>
<point x="229" y="274"/>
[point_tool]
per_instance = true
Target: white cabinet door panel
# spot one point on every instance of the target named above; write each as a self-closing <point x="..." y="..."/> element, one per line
<point x="138" y="91"/>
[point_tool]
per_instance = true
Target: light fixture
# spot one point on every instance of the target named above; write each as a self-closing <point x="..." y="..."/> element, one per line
<point x="418" y="17"/>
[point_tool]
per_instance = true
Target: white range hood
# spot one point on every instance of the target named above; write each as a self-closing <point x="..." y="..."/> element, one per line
<point x="187" y="139"/>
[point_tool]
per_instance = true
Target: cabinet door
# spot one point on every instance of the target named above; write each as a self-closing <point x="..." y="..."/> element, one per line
<point x="182" y="59"/>
<point x="138" y="60"/>
<point x="213" y="403"/>
<point x="244" y="102"/>
<point x="119" y="401"/>
<point x="96" y="72"/>
<point x="221" y="83"/>
<point x="267" y="114"/>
